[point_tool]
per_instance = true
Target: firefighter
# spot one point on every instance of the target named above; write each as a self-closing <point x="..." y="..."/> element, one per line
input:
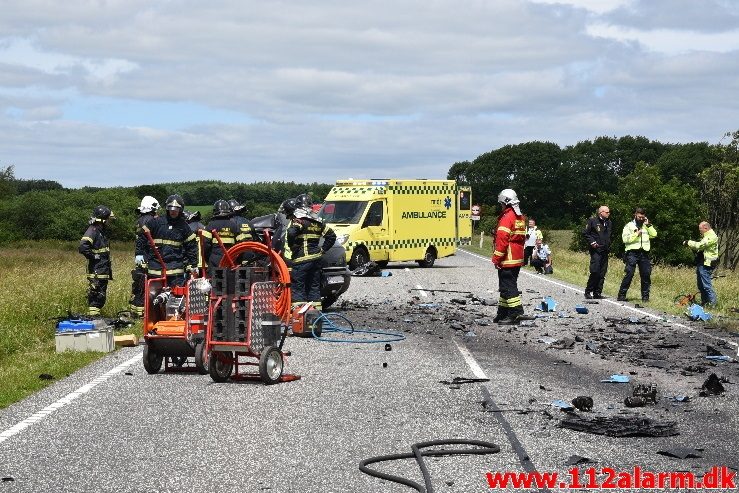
<point x="636" y="235"/>
<point x="147" y="210"/>
<point x="303" y="237"/>
<point x="95" y="247"/>
<point x="510" y="237"/>
<point x="706" y="260"/>
<point x="245" y="231"/>
<point x="193" y="220"/>
<point x="175" y="242"/>
<point x="225" y="227"/>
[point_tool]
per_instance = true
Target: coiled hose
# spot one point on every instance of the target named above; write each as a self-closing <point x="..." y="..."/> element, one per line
<point x="329" y="326"/>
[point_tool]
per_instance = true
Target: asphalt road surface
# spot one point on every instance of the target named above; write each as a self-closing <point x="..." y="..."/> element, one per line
<point x="113" y="427"/>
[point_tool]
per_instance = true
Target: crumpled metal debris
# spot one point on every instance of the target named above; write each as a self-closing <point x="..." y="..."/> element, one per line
<point x="712" y="386"/>
<point x="620" y="426"/>
<point x="583" y="403"/>
<point x="682" y="453"/>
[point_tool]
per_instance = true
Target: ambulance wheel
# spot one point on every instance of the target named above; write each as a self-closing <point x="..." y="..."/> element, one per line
<point x="359" y="258"/>
<point x="270" y="365"/>
<point x="152" y="361"/>
<point x="429" y="258"/>
<point x="219" y="366"/>
<point x="201" y="362"/>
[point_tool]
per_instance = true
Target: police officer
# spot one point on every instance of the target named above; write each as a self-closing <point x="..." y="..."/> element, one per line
<point x="706" y="260"/>
<point x="598" y="235"/>
<point x="303" y="238"/>
<point x="175" y="242"/>
<point x="636" y="236"/>
<point x="147" y="210"/>
<point x="225" y="227"/>
<point x="96" y="249"/>
<point x="510" y="236"/>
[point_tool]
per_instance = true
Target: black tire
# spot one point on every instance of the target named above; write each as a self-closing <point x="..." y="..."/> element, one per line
<point x="271" y="365"/>
<point x="382" y="263"/>
<point x="327" y="301"/>
<point x="428" y="258"/>
<point x="359" y="258"/>
<point x="218" y="367"/>
<point x="201" y="361"/>
<point x="152" y="361"/>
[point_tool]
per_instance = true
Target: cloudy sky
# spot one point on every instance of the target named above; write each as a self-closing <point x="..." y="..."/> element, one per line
<point x="125" y="92"/>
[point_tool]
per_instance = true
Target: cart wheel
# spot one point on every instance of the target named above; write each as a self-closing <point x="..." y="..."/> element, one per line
<point x="178" y="361"/>
<point x="219" y="366"/>
<point x="270" y="365"/>
<point x="152" y="361"/>
<point x="201" y="361"/>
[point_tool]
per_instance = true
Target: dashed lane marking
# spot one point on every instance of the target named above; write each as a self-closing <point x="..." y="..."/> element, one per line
<point x="51" y="408"/>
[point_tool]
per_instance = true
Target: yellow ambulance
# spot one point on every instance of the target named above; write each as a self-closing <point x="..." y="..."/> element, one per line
<point x="398" y="220"/>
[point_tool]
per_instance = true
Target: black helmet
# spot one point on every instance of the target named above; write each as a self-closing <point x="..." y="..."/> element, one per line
<point x="304" y="200"/>
<point x="191" y="217"/>
<point x="221" y="208"/>
<point x="102" y="213"/>
<point x="175" y="202"/>
<point x="235" y="206"/>
<point x="288" y="207"/>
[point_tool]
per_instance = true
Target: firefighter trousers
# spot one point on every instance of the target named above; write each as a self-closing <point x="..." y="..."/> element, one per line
<point x="306" y="281"/>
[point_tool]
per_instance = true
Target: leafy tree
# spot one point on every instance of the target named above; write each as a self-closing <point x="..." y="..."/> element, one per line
<point x="458" y="172"/>
<point x="686" y="162"/>
<point x="7" y="182"/>
<point x="673" y="207"/>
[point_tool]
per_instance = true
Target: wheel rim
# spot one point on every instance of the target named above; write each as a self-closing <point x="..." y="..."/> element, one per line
<point x="222" y="368"/>
<point x="274" y="365"/>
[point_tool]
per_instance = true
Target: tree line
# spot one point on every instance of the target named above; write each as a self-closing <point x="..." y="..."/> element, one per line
<point x="45" y="210"/>
<point x="678" y="184"/>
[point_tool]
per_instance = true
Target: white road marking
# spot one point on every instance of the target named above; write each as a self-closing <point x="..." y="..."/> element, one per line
<point x="471" y="361"/>
<point x="419" y="287"/>
<point x="642" y="312"/>
<point x="38" y="416"/>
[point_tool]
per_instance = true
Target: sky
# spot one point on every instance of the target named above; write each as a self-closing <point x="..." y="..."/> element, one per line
<point x="130" y="92"/>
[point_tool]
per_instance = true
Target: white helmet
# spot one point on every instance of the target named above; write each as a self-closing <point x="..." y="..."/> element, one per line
<point x="508" y="197"/>
<point x="148" y="204"/>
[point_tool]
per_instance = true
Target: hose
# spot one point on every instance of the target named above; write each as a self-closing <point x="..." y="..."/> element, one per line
<point x="330" y="327"/>
<point x="280" y="273"/>
<point x="483" y="448"/>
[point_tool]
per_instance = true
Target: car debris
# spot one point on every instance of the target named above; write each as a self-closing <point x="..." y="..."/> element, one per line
<point x="574" y="460"/>
<point x="620" y="426"/>
<point x="616" y="378"/>
<point x="583" y="403"/>
<point x="712" y="386"/>
<point x="682" y="453"/>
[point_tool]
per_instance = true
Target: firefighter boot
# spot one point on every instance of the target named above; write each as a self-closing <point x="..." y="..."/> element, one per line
<point x="502" y="313"/>
<point x="513" y="316"/>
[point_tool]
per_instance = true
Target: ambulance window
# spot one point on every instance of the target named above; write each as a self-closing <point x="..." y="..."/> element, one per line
<point x="374" y="215"/>
<point x="342" y="212"/>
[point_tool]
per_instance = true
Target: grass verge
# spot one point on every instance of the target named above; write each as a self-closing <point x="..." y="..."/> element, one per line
<point x="668" y="282"/>
<point x="42" y="281"/>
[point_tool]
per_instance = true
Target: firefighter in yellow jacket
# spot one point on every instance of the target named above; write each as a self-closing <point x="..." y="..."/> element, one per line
<point x="636" y="236"/>
<point x="96" y="249"/>
<point x="706" y="260"/>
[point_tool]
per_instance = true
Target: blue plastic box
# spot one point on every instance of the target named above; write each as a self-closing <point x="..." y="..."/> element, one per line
<point x="75" y="325"/>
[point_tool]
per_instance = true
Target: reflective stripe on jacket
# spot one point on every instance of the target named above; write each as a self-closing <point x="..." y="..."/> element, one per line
<point x="708" y="246"/>
<point x="510" y="237"/>
<point x="175" y="242"/>
<point x="635" y="241"/>
<point x="303" y="237"/>
<point x="96" y="249"/>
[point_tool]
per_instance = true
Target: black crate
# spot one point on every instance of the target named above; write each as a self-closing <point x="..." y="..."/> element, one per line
<point x="246" y="276"/>
<point x="223" y="281"/>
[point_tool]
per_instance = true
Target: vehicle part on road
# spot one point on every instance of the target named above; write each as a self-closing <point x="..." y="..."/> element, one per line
<point x="388" y="347"/>
<point x="479" y="448"/>
<point x="547" y="340"/>
<point x="712" y="386"/>
<point x="329" y="325"/>
<point x="583" y="403"/>
<point x="682" y="453"/>
<point x="548" y="304"/>
<point x="563" y="405"/>
<point x="461" y="380"/>
<point x="632" y="401"/>
<point x="581" y="309"/>
<point x="646" y="391"/>
<point x="366" y="270"/>
<point x="616" y="378"/>
<point x="428" y="258"/>
<point x="575" y="460"/>
<point x="620" y="426"/>
<point x="432" y="291"/>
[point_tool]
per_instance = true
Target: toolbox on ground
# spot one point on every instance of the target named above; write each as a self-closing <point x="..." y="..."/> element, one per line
<point x="84" y="338"/>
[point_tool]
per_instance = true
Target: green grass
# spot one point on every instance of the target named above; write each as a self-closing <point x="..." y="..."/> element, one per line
<point x="41" y="281"/>
<point x="667" y="282"/>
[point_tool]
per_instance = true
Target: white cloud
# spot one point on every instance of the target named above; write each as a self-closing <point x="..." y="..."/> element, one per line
<point x="670" y="41"/>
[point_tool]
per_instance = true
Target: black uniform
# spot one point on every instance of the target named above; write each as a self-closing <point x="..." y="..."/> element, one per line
<point x="177" y="245"/>
<point x="598" y="232"/>
<point x="95" y="247"/>
<point x="138" y="274"/>
<point x="228" y="231"/>
<point x="303" y="237"/>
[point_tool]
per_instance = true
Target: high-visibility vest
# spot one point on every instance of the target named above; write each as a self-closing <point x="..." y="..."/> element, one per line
<point x="635" y="241"/>
<point x="708" y="245"/>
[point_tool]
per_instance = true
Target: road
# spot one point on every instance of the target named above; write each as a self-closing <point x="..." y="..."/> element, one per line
<point x="112" y="427"/>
